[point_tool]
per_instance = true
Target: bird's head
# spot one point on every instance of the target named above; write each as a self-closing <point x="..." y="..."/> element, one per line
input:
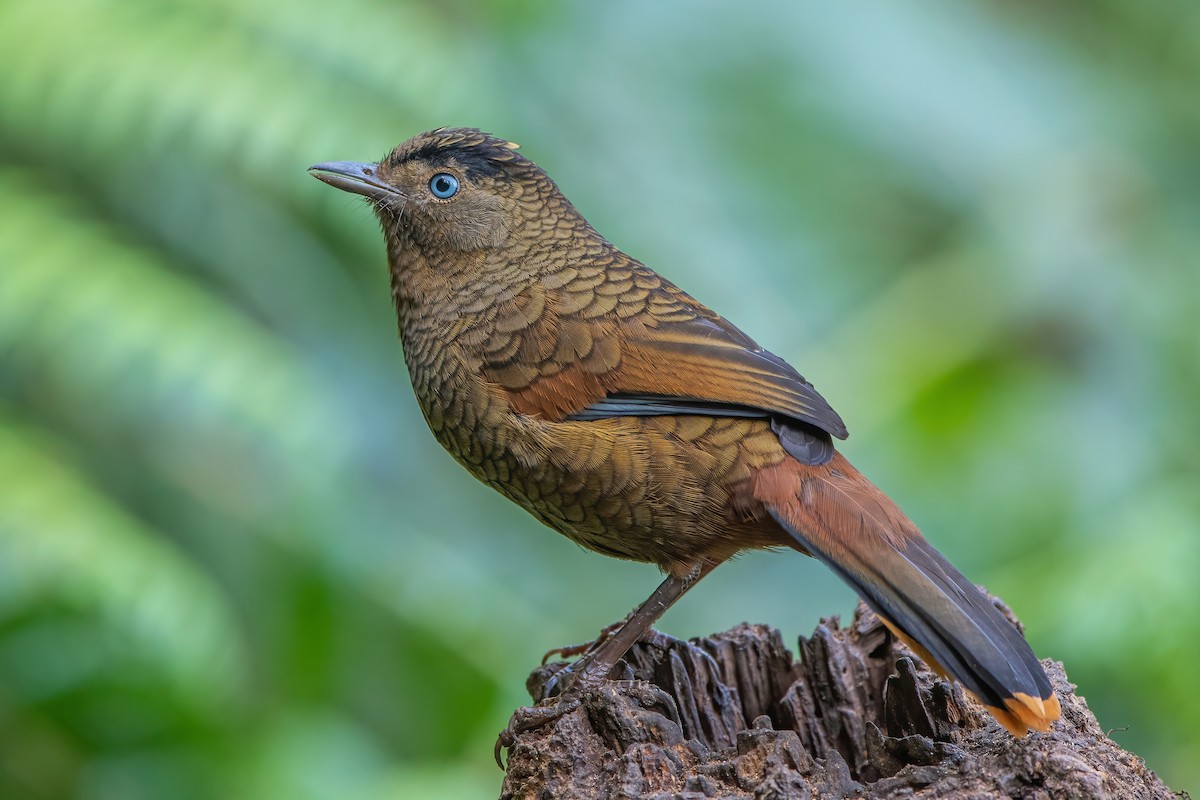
<point x="454" y="190"/>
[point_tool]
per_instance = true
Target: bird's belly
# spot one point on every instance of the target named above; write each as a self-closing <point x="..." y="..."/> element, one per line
<point x="655" y="489"/>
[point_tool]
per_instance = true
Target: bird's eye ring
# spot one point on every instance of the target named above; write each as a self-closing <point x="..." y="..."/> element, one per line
<point x="443" y="185"/>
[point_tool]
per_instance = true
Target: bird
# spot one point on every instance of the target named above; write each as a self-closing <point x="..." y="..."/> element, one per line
<point x="640" y="424"/>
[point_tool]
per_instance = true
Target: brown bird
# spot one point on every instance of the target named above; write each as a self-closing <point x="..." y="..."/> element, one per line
<point x="632" y="419"/>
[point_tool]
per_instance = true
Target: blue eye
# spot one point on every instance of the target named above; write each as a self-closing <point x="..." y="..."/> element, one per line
<point x="443" y="185"/>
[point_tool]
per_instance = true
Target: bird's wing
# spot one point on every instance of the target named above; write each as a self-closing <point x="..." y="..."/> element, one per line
<point x="617" y="339"/>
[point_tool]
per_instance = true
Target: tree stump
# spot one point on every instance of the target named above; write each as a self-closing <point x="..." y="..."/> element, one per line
<point x="858" y="715"/>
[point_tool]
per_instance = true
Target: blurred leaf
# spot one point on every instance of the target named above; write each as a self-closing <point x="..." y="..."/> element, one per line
<point x="65" y="542"/>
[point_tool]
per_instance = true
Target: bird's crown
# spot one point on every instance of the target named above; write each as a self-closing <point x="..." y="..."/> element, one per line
<point x="476" y="152"/>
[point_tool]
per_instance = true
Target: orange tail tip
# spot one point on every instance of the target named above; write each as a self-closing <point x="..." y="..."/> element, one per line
<point x="1022" y="713"/>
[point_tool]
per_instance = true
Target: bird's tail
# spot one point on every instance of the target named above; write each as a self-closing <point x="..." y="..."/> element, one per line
<point x="835" y="514"/>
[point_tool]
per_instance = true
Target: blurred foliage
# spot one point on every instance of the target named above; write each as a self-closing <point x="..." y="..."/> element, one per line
<point x="233" y="562"/>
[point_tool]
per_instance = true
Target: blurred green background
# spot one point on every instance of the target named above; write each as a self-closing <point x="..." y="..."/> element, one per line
<point x="233" y="561"/>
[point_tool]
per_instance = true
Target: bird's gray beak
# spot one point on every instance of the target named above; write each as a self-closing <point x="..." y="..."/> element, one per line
<point x="355" y="177"/>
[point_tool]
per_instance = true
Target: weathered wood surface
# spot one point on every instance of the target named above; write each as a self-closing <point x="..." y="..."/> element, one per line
<point x="735" y="716"/>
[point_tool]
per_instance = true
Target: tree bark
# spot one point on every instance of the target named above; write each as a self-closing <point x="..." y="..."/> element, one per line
<point x="734" y="715"/>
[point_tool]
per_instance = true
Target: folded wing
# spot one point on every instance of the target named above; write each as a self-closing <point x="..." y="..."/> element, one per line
<point x="619" y="340"/>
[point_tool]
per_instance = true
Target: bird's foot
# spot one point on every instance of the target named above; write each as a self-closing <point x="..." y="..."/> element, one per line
<point x="562" y="693"/>
<point x="572" y="650"/>
<point x="529" y="717"/>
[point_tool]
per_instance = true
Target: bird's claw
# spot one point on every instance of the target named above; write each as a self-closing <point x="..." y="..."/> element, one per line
<point x="561" y="694"/>
<point x="527" y="718"/>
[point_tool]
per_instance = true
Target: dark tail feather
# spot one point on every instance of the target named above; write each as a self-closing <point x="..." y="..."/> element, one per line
<point x="845" y="521"/>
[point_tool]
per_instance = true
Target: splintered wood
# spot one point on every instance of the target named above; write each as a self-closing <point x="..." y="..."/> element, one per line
<point x="735" y="715"/>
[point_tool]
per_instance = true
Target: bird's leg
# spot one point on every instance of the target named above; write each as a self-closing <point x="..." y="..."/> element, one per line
<point x="598" y="662"/>
<point x="567" y="651"/>
<point x="595" y="666"/>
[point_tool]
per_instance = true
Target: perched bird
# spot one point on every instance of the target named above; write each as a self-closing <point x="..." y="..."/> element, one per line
<point x="632" y="419"/>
